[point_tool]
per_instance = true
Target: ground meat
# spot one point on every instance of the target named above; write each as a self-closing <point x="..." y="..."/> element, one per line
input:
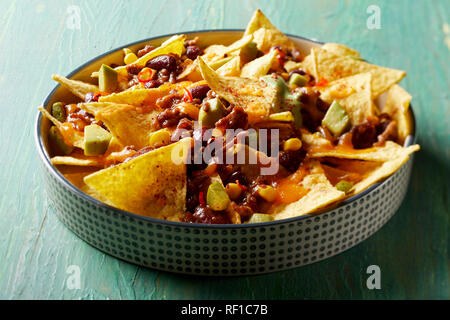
<point x="244" y="211"/>
<point x="168" y="101"/>
<point x="184" y="129"/>
<point x="145" y="50"/>
<point x="291" y="159"/>
<point x="170" y="117"/>
<point x="236" y="119"/>
<point x="133" y="69"/>
<point x="205" y="215"/>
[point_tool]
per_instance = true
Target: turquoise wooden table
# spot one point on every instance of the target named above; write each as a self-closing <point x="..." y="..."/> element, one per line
<point x="39" y="257"/>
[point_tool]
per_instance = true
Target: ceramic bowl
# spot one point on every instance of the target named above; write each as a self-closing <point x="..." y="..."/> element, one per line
<point x="215" y="250"/>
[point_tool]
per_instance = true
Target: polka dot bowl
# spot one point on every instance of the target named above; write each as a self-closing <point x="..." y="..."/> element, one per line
<point x="215" y="250"/>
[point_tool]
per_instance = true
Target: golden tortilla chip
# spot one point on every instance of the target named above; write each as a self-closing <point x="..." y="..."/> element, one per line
<point x="354" y="94"/>
<point x="340" y="49"/>
<point x="321" y="194"/>
<point x="397" y="106"/>
<point x="174" y="45"/>
<point x="153" y="184"/>
<point x="130" y="126"/>
<point x="265" y="34"/>
<point x="217" y="52"/>
<point x="71" y="136"/>
<point x="389" y="151"/>
<point x="230" y="69"/>
<point x="77" y="161"/>
<point x="333" y="67"/>
<point x="255" y="97"/>
<point x="260" y="66"/>
<point x="78" y="88"/>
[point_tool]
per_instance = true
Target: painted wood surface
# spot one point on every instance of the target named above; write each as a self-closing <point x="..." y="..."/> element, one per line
<point x="36" y="249"/>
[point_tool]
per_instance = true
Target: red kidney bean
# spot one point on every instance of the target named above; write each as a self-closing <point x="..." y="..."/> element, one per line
<point x="199" y="92"/>
<point x="193" y="52"/>
<point x="162" y="62"/>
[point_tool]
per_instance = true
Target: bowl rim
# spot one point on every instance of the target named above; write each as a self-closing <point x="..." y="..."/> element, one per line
<point x="68" y="185"/>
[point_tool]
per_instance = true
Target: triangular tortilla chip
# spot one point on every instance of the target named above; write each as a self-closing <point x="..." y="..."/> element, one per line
<point x="321" y="194"/>
<point x="255" y="97"/>
<point x="78" y="88"/>
<point x="340" y="50"/>
<point x="265" y="34"/>
<point x="230" y="69"/>
<point x="354" y="94"/>
<point x="397" y="106"/>
<point x="332" y="67"/>
<point x="76" y="161"/>
<point x="389" y="151"/>
<point x="174" y="45"/>
<point x="70" y="135"/>
<point x="153" y="184"/>
<point x="131" y="127"/>
<point x="260" y="66"/>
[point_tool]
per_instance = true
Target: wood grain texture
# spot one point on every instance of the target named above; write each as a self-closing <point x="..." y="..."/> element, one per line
<point x="36" y="249"/>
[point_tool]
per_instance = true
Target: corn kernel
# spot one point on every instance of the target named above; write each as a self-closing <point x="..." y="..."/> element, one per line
<point x="233" y="190"/>
<point x="266" y="192"/>
<point x="160" y="138"/>
<point x="126" y="51"/>
<point x="292" y="144"/>
<point x="130" y="58"/>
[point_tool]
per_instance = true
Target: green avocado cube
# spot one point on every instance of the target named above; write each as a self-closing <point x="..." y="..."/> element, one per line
<point x="211" y="112"/>
<point x="107" y="79"/>
<point x="217" y="197"/>
<point x="298" y="80"/>
<point x="96" y="140"/>
<point x="57" y="141"/>
<point x="336" y="119"/>
<point x="260" y="217"/>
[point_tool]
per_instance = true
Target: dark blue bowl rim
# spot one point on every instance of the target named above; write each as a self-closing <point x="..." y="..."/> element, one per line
<point x="42" y="153"/>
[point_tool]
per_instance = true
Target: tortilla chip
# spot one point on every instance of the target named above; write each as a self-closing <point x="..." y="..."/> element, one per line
<point x="130" y="126"/>
<point x="230" y="69"/>
<point x="389" y="151"/>
<point x="265" y="34"/>
<point x="310" y="64"/>
<point x="78" y="88"/>
<point x="340" y="50"/>
<point x="321" y="193"/>
<point x="153" y="184"/>
<point x="385" y="170"/>
<point x="70" y="135"/>
<point x="292" y="65"/>
<point x="354" y="94"/>
<point x="72" y="161"/>
<point x="173" y="45"/>
<point x="260" y="66"/>
<point x="397" y="106"/>
<point x="255" y="97"/>
<point x="218" y="52"/>
<point x="143" y="97"/>
<point x="333" y="67"/>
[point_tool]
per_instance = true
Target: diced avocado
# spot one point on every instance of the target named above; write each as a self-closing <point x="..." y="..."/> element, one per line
<point x="59" y="112"/>
<point x="297" y="80"/>
<point x="107" y="79"/>
<point x="57" y="141"/>
<point x="96" y="140"/>
<point x="217" y="197"/>
<point x="285" y="116"/>
<point x="211" y="112"/>
<point x="260" y="217"/>
<point x="296" y="112"/>
<point x="217" y="64"/>
<point x="249" y="52"/>
<point x="336" y="119"/>
<point x="344" y="186"/>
